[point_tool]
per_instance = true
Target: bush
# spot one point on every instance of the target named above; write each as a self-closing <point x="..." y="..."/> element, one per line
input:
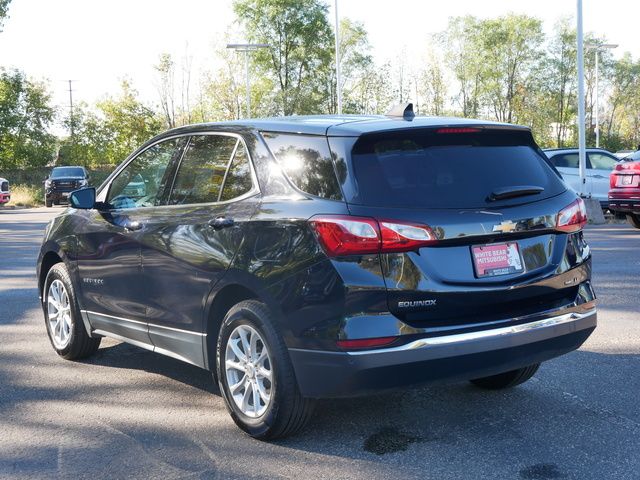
<point x="26" y="196"/>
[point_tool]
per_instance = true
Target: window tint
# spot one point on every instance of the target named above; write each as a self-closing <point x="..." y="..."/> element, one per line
<point x="202" y="169"/>
<point x="141" y="183"/>
<point x="238" y="181"/>
<point x="602" y="161"/>
<point x="567" y="160"/>
<point x="306" y="160"/>
<point x="424" y="169"/>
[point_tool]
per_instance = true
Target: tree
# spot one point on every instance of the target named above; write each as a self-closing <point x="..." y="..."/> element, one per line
<point x="355" y="63"/>
<point x="166" y="88"/>
<point x="511" y="47"/>
<point x="25" y="117"/>
<point x="300" y="40"/>
<point x="4" y="8"/>
<point x="109" y="134"/>
<point x="461" y="42"/>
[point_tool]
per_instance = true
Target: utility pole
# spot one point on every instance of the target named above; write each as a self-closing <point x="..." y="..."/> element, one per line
<point x="246" y="48"/>
<point x="582" y="151"/>
<point x="338" y="81"/>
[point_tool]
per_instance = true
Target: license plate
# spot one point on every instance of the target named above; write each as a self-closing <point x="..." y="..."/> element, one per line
<point x="627" y="180"/>
<point x="497" y="259"/>
<point x="65" y="194"/>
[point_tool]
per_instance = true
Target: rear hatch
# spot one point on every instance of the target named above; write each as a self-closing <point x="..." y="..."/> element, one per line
<point x="625" y="180"/>
<point x="489" y="202"/>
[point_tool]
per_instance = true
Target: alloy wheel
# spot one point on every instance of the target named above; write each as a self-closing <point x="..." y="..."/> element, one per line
<point x="59" y="314"/>
<point x="249" y="371"/>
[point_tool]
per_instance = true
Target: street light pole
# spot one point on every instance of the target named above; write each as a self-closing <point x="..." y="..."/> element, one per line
<point x="597" y="48"/>
<point x="582" y="151"/>
<point x="246" y="48"/>
<point x="338" y="84"/>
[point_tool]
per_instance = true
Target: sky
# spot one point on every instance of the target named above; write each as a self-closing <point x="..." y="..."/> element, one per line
<point x="98" y="43"/>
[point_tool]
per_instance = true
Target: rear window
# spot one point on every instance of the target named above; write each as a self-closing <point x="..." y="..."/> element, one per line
<point x="306" y="160"/>
<point x="426" y="169"/>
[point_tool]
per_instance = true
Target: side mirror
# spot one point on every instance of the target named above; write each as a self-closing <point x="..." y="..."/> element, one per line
<point x="85" y="198"/>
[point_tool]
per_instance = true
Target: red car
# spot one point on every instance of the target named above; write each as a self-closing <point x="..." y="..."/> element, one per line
<point x="624" y="191"/>
<point x="5" y="195"/>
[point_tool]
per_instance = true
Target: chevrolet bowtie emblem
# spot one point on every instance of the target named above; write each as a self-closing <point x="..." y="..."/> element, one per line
<point x="505" y="227"/>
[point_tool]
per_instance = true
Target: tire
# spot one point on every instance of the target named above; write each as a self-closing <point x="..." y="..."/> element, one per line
<point x="634" y="220"/>
<point x="76" y="344"/>
<point x="48" y="202"/>
<point x="507" y="379"/>
<point x="286" y="411"/>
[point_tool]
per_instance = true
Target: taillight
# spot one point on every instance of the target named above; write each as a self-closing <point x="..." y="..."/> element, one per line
<point x="573" y="217"/>
<point x="346" y="235"/>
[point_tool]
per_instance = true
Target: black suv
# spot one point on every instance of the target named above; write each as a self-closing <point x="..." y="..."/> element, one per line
<point x="61" y="182"/>
<point x="311" y="257"/>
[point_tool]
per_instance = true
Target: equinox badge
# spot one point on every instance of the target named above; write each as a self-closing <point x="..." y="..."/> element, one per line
<point x="417" y="303"/>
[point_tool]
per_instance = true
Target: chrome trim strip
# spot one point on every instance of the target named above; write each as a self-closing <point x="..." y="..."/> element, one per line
<point x="481" y="335"/>
<point x="143" y="323"/>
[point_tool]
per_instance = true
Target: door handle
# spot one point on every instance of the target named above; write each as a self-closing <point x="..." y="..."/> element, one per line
<point x="132" y="226"/>
<point x="221" y="222"/>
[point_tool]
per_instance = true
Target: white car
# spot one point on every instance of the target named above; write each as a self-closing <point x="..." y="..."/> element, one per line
<point x="600" y="163"/>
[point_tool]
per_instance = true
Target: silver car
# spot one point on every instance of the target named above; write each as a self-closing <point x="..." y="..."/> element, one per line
<point x="600" y="163"/>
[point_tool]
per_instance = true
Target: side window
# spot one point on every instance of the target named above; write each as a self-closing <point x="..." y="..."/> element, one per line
<point x="238" y="181"/>
<point x="201" y="172"/>
<point x="568" y="160"/>
<point x="306" y="160"/>
<point x="601" y="161"/>
<point x="141" y="183"/>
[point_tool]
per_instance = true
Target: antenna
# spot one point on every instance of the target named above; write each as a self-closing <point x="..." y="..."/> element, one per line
<point x="402" y="110"/>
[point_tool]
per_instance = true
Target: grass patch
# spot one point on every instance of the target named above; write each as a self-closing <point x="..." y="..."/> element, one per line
<point x="25" y="196"/>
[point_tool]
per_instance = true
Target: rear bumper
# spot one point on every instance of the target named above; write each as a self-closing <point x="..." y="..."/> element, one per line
<point x="624" y="200"/>
<point x="461" y="356"/>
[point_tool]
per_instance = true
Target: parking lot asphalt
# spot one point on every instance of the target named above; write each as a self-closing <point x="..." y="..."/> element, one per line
<point x="130" y="413"/>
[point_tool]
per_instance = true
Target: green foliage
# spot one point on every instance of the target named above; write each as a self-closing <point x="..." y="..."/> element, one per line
<point x="25" y="117"/>
<point x="109" y="135"/>
<point x="26" y="195"/>
<point x="4" y="7"/>
<point x="299" y="57"/>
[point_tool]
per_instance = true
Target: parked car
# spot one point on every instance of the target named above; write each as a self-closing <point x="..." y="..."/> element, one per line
<point x="300" y="258"/>
<point x="624" y="193"/>
<point x="61" y="182"/>
<point x="599" y="165"/>
<point x="623" y="153"/>
<point x="5" y="194"/>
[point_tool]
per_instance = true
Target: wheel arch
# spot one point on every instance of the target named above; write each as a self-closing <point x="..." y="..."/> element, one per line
<point x="221" y="300"/>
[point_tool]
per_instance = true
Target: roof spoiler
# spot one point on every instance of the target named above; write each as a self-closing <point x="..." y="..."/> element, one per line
<point x="402" y="110"/>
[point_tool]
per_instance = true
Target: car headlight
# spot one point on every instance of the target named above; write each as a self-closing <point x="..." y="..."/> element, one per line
<point x="47" y="183"/>
<point x="83" y="183"/>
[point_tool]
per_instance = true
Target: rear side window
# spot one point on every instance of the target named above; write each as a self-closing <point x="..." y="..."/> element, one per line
<point x="238" y="181"/>
<point x="567" y="160"/>
<point x="306" y="160"/>
<point x="201" y="172"/>
<point x="425" y="169"/>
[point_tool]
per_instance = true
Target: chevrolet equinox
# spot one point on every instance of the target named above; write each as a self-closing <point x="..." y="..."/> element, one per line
<point x="300" y="258"/>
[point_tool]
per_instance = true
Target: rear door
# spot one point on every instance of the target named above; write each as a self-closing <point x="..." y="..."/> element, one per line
<point x="599" y="169"/>
<point x="190" y="242"/>
<point x="490" y="199"/>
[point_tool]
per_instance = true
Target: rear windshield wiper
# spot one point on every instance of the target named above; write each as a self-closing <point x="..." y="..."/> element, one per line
<point x="514" y="191"/>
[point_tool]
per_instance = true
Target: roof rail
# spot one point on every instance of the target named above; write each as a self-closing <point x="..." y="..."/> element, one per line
<point x="402" y="110"/>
